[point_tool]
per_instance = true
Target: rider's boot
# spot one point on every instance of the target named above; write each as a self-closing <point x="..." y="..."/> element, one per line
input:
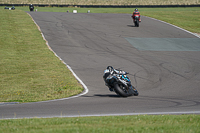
<point x="111" y="89"/>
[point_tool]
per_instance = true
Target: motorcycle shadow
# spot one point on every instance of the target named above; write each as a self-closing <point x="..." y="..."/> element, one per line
<point x="131" y="25"/>
<point x="107" y="95"/>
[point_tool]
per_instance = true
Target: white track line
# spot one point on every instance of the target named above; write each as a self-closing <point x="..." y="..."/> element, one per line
<point x="80" y="81"/>
<point x="122" y="114"/>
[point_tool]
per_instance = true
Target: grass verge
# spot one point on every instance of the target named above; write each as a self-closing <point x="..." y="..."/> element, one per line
<point x="108" y="124"/>
<point x="29" y="71"/>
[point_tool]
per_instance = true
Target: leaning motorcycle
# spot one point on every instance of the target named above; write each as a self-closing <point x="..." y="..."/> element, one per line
<point x="119" y="82"/>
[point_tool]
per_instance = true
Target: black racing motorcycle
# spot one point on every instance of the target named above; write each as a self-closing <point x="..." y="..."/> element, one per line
<point x="12" y="8"/>
<point x="119" y="82"/>
<point x="31" y="7"/>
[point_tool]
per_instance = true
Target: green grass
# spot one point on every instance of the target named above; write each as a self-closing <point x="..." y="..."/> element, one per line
<point x="29" y="71"/>
<point x="108" y="124"/>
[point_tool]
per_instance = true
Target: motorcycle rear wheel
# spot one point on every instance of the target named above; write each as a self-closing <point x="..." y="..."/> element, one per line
<point x="137" y="23"/>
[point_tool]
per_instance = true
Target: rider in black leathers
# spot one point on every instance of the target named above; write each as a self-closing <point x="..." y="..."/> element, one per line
<point x="31" y="7"/>
<point x="108" y="75"/>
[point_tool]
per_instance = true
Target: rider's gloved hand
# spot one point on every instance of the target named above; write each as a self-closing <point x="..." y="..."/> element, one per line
<point x="122" y="72"/>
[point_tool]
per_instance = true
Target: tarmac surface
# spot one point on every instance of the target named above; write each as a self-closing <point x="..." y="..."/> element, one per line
<point x="163" y="62"/>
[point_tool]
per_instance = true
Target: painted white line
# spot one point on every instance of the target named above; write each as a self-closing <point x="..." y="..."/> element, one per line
<point x="122" y="114"/>
<point x="149" y="113"/>
<point x="175" y="26"/>
<point x="79" y="80"/>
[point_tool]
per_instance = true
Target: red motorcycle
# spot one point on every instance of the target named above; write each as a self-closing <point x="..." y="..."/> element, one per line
<point x="136" y="18"/>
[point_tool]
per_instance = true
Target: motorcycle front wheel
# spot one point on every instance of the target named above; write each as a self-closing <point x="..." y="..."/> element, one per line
<point x="120" y="90"/>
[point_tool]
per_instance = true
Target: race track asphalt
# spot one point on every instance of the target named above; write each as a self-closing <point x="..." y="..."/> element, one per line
<point x="163" y="61"/>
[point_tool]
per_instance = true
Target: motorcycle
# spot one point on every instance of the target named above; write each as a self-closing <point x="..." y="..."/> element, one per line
<point x="12" y="8"/>
<point x="136" y="20"/>
<point x="31" y="7"/>
<point x="119" y="82"/>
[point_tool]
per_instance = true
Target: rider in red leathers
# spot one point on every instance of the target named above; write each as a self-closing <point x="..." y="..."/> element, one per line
<point x="136" y="12"/>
